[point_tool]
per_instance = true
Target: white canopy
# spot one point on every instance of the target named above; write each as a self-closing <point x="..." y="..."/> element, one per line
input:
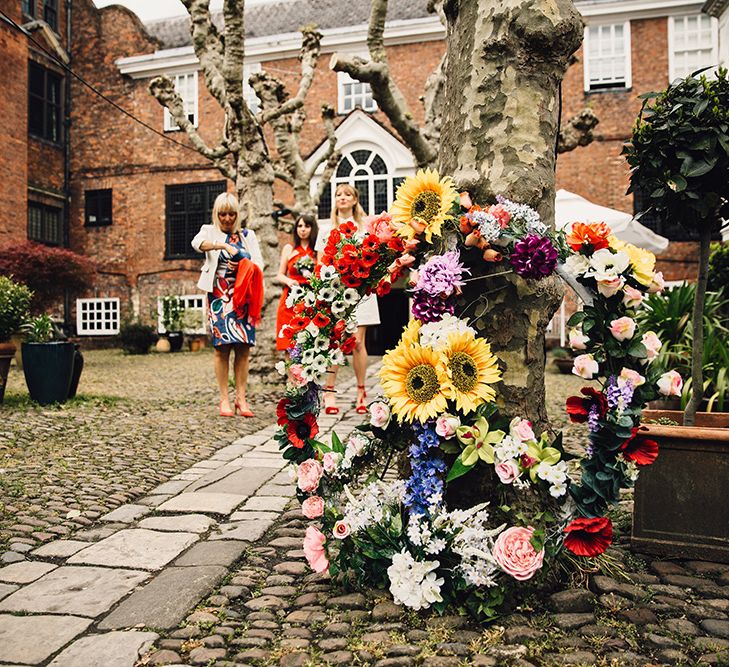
<point x="570" y="208"/>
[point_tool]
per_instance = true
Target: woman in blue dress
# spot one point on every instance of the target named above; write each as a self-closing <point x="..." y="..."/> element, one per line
<point x="225" y="244"/>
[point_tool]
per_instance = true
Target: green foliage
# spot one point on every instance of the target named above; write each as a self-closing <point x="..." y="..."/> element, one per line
<point x="136" y="338"/>
<point x="719" y="269"/>
<point x="14" y="307"/>
<point x="40" y="329"/>
<point x="680" y="151"/>
<point x="172" y="313"/>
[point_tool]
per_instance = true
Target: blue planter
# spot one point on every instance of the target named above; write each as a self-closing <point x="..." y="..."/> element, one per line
<point x="48" y="369"/>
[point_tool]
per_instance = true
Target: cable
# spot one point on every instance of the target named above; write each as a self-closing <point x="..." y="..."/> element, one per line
<point x="91" y="87"/>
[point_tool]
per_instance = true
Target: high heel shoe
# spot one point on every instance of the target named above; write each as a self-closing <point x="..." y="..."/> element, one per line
<point x="225" y="413"/>
<point x="361" y="408"/>
<point x="330" y="409"/>
<point x="243" y="413"/>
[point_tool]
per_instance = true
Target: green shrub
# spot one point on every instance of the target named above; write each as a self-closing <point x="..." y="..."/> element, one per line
<point x="14" y="307"/>
<point x="40" y="329"/>
<point x="172" y="313"/>
<point x="136" y="338"/>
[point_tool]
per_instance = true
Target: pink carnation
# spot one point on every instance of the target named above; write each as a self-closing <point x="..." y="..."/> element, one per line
<point x="296" y="375"/>
<point x="309" y="473"/>
<point x="314" y="549"/>
<point x="515" y="554"/>
<point x="313" y="507"/>
<point x="501" y="214"/>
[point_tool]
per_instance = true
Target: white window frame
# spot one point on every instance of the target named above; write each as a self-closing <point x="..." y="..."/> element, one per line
<point x="189" y="104"/>
<point x="109" y="326"/>
<point x="188" y="302"/>
<point x="626" y="53"/>
<point x="344" y="79"/>
<point x="254" y="104"/>
<point x="672" y="73"/>
<point x="388" y="177"/>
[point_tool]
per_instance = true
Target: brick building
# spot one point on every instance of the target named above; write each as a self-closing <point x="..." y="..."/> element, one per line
<point x="135" y="199"/>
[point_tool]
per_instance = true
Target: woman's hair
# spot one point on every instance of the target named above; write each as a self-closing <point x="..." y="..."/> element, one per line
<point x="357" y="211"/>
<point x="224" y="203"/>
<point x="310" y="221"/>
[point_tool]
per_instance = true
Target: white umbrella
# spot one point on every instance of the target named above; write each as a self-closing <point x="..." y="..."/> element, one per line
<point x="570" y="208"/>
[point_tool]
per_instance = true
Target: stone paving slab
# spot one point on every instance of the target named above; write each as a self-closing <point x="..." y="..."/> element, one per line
<point x="243" y="530"/>
<point x="165" y="600"/>
<point x="267" y="503"/>
<point x="7" y="589"/>
<point x="231" y="480"/>
<point x="25" y="572"/>
<point x="60" y="548"/>
<point x="244" y="515"/>
<point x="84" y="591"/>
<point x="29" y="640"/>
<point x="126" y="513"/>
<point x="207" y="503"/>
<point x="135" y="548"/>
<point x="213" y="553"/>
<point x="185" y="523"/>
<point x="171" y="487"/>
<point x="111" y="649"/>
<point x="230" y="452"/>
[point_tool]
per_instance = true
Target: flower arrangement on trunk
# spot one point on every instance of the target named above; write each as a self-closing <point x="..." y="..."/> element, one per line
<point x="439" y="418"/>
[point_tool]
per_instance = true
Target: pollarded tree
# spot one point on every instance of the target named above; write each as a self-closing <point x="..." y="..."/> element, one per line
<point x="242" y="154"/>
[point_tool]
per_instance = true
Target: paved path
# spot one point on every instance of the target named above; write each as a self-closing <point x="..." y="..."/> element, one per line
<point x="103" y="595"/>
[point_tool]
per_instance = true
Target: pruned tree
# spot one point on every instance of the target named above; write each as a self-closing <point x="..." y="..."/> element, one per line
<point x="423" y="141"/>
<point x="241" y="153"/>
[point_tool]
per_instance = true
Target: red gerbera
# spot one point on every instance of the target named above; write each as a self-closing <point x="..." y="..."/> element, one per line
<point x="578" y="408"/>
<point x="348" y="345"/>
<point x="300" y="430"/>
<point x="320" y="320"/>
<point x="589" y="537"/>
<point x="639" y="449"/>
<point x="347" y="229"/>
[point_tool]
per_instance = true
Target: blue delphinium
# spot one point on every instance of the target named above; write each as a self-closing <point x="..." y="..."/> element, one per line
<point x="427" y="468"/>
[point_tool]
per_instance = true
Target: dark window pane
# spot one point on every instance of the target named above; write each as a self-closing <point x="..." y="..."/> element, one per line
<point x="378" y="165"/>
<point x="188" y="208"/>
<point x="396" y="182"/>
<point x="45" y="224"/>
<point x="44" y="103"/>
<point x="325" y="203"/>
<point x="35" y="222"/>
<point x="28" y="7"/>
<point x="98" y="208"/>
<point x="344" y="168"/>
<point x="381" y="202"/>
<point x="50" y="13"/>
<point x="360" y="157"/>
<point x="364" y="194"/>
<point x="36" y="80"/>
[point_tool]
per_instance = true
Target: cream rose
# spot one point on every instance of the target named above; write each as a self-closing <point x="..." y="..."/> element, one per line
<point x="507" y="471"/>
<point x="585" y="366"/>
<point x="380" y="414"/>
<point x="670" y="384"/>
<point x="623" y="328"/>
<point x="652" y="345"/>
<point x="578" y="340"/>
<point x="446" y="425"/>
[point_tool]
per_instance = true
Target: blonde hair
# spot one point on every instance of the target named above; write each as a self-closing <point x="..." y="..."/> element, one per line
<point x="224" y="203"/>
<point x="357" y="211"/>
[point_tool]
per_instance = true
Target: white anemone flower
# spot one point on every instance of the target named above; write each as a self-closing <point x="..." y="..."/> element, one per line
<point x="338" y="307"/>
<point x="327" y="294"/>
<point x="327" y="272"/>
<point x="351" y="296"/>
<point x="321" y="344"/>
<point x="307" y="357"/>
<point x="320" y="363"/>
<point x="337" y="358"/>
<point x="312" y="329"/>
<point x="309" y="299"/>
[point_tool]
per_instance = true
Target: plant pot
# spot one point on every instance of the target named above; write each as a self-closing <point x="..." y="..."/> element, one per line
<point x="17" y="340"/>
<point x="48" y="369"/>
<point x="196" y="344"/>
<point x="564" y="365"/>
<point x="7" y="351"/>
<point x="163" y="345"/>
<point x="681" y="507"/>
<point x="176" y="339"/>
<point x="78" y="366"/>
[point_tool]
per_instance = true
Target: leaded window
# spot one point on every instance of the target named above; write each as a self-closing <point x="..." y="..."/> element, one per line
<point x="188" y="207"/>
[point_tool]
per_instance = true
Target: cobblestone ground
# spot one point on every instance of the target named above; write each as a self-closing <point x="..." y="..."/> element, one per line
<point x="138" y="421"/>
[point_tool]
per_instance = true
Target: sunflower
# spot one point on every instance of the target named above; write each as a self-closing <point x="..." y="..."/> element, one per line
<point x="471" y="369"/>
<point x="411" y="335"/>
<point x="422" y="204"/>
<point x="412" y="377"/>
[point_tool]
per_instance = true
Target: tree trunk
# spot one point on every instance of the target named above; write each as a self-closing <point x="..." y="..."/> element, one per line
<point x="505" y="62"/>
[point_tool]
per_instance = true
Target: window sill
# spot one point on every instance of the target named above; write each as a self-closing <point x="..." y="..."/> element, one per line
<point x="602" y="91"/>
<point x="48" y="142"/>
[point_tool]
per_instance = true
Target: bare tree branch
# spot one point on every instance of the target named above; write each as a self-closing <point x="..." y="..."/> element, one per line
<point x="577" y="131"/>
<point x="234" y="52"/>
<point x="331" y="153"/>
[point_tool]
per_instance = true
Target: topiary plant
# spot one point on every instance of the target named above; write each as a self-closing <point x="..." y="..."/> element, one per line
<point x="680" y="155"/>
<point x="15" y="301"/>
<point x="136" y="338"/>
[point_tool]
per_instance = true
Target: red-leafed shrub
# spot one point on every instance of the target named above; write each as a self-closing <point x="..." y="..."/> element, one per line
<point x="46" y="270"/>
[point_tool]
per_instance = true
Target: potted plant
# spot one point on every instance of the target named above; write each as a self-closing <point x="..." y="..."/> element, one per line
<point x="48" y="363"/>
<point x="172" y="314"/>
<point x="563" y="359"/>
<point x="14" y="309"/>
<point x="136" y="338"/>
<point x="192" y="322"/>
<point x="680" y="155"/>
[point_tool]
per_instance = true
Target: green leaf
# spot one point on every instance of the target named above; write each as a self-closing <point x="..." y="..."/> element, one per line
<point x="576" y="318"/>
<point x="693" y="168"/>
<point x="337" y="445"/>
<point x="458" y="469"/>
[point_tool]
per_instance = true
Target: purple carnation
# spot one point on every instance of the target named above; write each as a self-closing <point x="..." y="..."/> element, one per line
<point x="430" y="309"/>
<point x="441" y="275"/>
<point x="534" y="257"/>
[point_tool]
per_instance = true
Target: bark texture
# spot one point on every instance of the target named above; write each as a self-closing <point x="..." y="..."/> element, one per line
<point x="498" y="136"/>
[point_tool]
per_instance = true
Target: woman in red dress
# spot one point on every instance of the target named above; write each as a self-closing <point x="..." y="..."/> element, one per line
<point x="297" y="265"/>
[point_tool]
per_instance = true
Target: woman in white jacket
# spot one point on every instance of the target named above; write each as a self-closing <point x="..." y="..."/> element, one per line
<point x="225" y="244"/>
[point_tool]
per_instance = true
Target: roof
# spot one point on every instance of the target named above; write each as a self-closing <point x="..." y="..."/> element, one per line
<point x="286" y="16"/>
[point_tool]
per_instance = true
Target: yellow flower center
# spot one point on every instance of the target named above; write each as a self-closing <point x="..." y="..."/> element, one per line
<point x="464" y="373"/>
<point x="426" y="206"/>
<point x="422" y="383"/>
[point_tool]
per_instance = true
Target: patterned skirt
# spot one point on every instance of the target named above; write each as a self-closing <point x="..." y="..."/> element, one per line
<point x="226" y="326"/>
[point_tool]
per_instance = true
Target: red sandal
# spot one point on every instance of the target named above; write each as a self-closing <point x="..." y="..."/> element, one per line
<point x="330" y="409"/>
<point x="361" y="408"/>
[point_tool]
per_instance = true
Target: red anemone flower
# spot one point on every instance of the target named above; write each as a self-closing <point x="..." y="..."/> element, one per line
<point x="338" y="329"/>
<point x="371" y="243"/>
<point x="341" y="265"/>
<point x="347" y="229"/>
<point x="300" y="430"/>
<point x="350" y="280"/>
<point x="589" y="537"/>
<point x="579" y="408"/>
<point x="384" y="288"/>
<point x="348" y="345"/>
<point x="320" y="320"/>
<point x="299" y="323"/>
<point x="369" y="257"/>
<point x="639" y="449"/>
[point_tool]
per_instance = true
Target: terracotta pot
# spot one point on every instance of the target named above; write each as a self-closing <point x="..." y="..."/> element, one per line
<point x="196" y="344"/>
<point x="565" y="365"/>
<point x="681" y="507"/>
<point x="7" y="351"/>
<point x="162" y="345"/>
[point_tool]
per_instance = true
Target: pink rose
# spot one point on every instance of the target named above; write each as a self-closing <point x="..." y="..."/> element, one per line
<point x="658" y="283"/>
<point x="380" y="414"/>
<point x="341" y="530"/>
<point x="670" y="384"/>
<point x="632" y="297"/>
<point x="296" y="375"/>
<point x="313" y="507"/>
<point x="501" y="214"/>
<point x="652" y="344"/>
<point x="622" y="328"/>
<point x="585" y="366"/>
<point x="466" y="200"/>
<point x="446" y="425"/>
<point x="331" y="461"/>
<point x="629" y="375"/>
<point x="507" y="471"/>
<point x="356" y="445"/>
<point x="515" y="554"/>
<point x="610" y="286"/>
<point x="309" y="474"/>
<point x="578" y="340"/>
<point x="380" y="226"/>
<point x="314" y="549"/>
<point x="521" y="429"/>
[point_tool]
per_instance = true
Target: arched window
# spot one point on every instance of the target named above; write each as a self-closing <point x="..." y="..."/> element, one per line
<point x="367" y="171"/>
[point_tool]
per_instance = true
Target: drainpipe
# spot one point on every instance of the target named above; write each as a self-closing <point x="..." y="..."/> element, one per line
<point x="67" y="163"/>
